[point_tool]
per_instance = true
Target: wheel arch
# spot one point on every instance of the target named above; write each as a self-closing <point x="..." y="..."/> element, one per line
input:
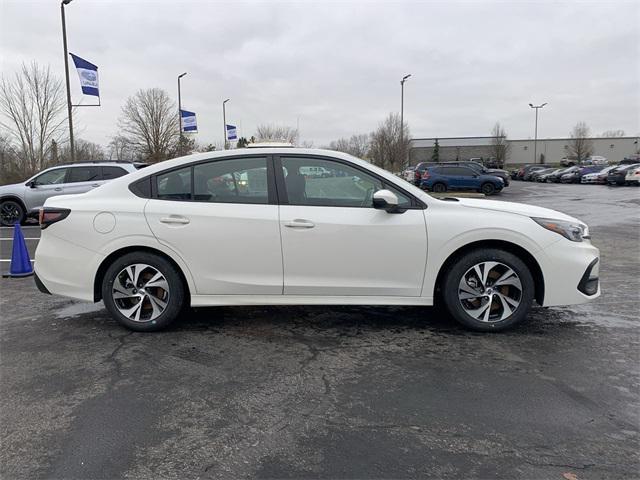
<point x="520" y="252"/>
<point x="15" y="198"/>
<point x="104" y="265"/>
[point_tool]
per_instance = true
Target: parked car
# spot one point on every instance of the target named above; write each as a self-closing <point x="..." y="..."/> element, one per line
<point x="630" y="160"/>
<point x="599" y="177"/>
<point x="456" y="177"/>
<point x="527" y="174"/>
<point x="526" y="169"/>
<point x="315" y="172"/>
<point x="575" y="176"/>
<point x="409" y="174"/>
<point x="555" y="177"/>
<point x="568" y="161"/>
<point x="534" y="174"/>
<point x="633" y="176"/>
<point x="477" y="167"/>
<point x="595" y="160"/>
<point x="618" y="175"/>
<point x="545" y="177"/>
<point x="17" y="200"/>
<point x="177" y="234"/>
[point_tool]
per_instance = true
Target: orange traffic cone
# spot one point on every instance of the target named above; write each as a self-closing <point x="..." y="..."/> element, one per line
<point x="20" y="261"/>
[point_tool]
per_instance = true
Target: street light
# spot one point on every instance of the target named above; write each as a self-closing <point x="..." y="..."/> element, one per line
<point x="535" y="141"/>
<point x="180" y="142"/>
<point x="66" y="73"/>
<point x="224" y="121"/>
<point x="404" y="79"/>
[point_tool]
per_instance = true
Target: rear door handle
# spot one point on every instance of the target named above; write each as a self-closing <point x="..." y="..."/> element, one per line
<point x="300" y="223"/>
<point x="58" y="189"/>
<point x="175" y="219"/>
<point x="95" y="185"/>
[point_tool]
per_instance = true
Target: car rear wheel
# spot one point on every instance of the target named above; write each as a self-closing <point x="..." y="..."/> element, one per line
<point x="439" y="188"/>
<point x="488" y="188"/>
<point x="143" y="291"/>
<point x="488" y="290"/>
<point x="11" y="212"/>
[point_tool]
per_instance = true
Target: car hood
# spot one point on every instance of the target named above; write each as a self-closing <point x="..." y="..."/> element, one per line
<point x="497" y="170"/>
<point x="517" y="208"/>
<point x="15" y="188"/>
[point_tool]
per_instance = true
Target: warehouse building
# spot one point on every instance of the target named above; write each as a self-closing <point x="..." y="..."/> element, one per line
<point x="549" y="150"/>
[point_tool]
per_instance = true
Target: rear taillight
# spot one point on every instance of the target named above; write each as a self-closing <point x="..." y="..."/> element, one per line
<point x="425" y="175"/>
<point x="49" y="215"/>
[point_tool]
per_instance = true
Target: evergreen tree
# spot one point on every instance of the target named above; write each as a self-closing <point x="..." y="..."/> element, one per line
<point x="435" y="156"/>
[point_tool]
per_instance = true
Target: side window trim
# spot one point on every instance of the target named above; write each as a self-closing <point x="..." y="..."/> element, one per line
<point x="416" y="204"/>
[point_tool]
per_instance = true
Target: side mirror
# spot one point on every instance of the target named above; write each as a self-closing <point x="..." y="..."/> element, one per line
<point x="385" y="200"/>
<point x="31" y="184"/>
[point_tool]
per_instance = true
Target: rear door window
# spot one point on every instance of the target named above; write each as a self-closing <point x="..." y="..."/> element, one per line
<point x="174" y="185"/>
<point x="84" y="174"/>
<point x="109" y="173"/>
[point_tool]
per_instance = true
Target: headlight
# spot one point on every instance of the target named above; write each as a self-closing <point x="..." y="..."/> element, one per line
<point x="575" y="232"/>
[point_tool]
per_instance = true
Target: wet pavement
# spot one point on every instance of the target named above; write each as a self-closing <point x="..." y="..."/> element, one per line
<point x="326" y="392"/>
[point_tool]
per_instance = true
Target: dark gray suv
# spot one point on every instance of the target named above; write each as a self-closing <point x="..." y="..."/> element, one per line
<point x="17" y="200"/>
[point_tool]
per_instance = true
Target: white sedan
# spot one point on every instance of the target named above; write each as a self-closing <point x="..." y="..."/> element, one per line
<point x="246" y="227"/>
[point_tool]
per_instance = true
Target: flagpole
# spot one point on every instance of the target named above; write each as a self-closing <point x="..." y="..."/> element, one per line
<point x="224" y="122"/>
<point x="66" y="72"/>
<point x="180" y="143"/>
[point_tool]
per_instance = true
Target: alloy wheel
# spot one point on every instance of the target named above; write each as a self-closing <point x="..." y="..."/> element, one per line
<point x="140" y="292"/>
<point x="10" y="213"/>
<point x="490" y="291"/>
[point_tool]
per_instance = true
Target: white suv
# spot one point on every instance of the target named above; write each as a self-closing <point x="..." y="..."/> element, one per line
<point x="17" y="200"/>
<point x="246" y="227"/>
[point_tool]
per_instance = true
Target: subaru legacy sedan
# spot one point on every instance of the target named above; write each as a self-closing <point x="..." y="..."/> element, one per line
<point x="247" y="227"/>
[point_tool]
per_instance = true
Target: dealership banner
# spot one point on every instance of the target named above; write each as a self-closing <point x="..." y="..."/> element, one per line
<point x="231" y="132"/>
<point x="88" y="74"/>
<point x="188" y="121"/>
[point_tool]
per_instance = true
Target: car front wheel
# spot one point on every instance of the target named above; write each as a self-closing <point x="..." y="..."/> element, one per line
<point x="488" y="188"/>
<point x="11" y="212"/>
<point x="143" y="291"/>
<point x="488" y="290"/>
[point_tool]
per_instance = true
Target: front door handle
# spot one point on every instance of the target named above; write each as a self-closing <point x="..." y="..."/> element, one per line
<point x="175" y="219"/>
<point x="300" y="223"/>
<point x="58" y="189"/>
<point x="95" y="185"/>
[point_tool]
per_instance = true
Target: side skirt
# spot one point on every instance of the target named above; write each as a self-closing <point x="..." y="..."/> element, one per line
<point x="218" y="300"/>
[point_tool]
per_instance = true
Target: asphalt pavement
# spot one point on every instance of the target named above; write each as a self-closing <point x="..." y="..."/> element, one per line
<point x="328" y="392"/>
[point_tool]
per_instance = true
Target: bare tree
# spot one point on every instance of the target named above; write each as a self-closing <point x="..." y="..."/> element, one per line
<point x="120" y="149"/>
<point x="85" y="152"/>
<point x="500" y="147"/>
<point x="356" y="145"/>
<point x="276" y="133"/>
<point x="613" y="133"/>
<point x="149" y="123"/>
<point x="387" y="149"/>
<point x="33" y="110"/>
<point x="581" y="146"/>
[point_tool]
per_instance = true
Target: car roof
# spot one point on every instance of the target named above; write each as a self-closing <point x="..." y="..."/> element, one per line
<point x="103" y="163"/>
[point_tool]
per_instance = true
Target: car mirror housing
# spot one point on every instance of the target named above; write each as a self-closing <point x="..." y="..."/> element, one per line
<point x="31" y="184"/>
<point x="385" y="200"/>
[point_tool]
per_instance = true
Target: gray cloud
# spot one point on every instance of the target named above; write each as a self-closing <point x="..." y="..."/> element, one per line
<point x="336" y="66"/>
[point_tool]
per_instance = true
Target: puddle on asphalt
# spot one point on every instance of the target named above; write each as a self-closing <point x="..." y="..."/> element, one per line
<point x="75" y="309"/>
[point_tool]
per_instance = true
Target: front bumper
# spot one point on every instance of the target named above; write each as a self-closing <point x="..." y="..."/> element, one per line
<point x="565" y="265"/>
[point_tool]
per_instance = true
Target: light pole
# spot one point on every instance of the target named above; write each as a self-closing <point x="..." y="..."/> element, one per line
<point x="404" y="79"/>
<point x="535" y="138"/>
<point x="66" y="73"/>
<point x="224" y="121"/>
<point x="180" y="142"/>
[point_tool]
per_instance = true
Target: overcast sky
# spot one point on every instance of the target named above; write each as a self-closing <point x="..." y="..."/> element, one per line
<point x="335" y="67"/>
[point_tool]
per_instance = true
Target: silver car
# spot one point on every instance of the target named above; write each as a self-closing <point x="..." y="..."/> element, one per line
<point x="19" y="199"/>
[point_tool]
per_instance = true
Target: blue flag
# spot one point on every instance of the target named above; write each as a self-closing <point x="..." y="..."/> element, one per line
<point x="88" y="74"/>
<point x="188" y="121"/>
<point x="231" y="132"/>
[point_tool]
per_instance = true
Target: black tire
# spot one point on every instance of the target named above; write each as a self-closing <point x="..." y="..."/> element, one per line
<point x="175" y="295"/>
<point x="11" y="212"/>
<point x="451" y="282"/>
<point x="488" y="188"/>
<point x="439" y="187"/>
